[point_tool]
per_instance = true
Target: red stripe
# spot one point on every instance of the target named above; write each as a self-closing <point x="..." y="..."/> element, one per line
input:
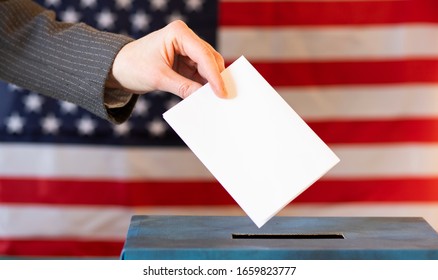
<point x="378" y="131"/>
<point x="60" y="248"/>
<point x="372" y="190"/>
<point x="207" y="193"/>
<point x="348" y="72"/>
<point x="326" y="13"/>
<point x="100" y="192"/>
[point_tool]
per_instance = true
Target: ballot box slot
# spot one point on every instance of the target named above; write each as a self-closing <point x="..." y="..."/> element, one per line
<point x="287" y="236"/>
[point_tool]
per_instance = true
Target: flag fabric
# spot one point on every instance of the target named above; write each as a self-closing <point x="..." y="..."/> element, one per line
<point x="362" y="74"/>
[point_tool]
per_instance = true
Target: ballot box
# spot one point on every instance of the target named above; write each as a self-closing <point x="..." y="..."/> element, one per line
<point x="236" y="237"/>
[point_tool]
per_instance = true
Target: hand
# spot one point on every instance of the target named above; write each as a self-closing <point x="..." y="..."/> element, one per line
<point x="172" y="59"/>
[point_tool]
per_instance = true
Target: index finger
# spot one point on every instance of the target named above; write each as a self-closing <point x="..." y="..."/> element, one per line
<point x="209" y="62"/>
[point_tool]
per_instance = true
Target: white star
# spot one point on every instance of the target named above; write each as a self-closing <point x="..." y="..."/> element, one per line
<point x="67" y="107"/>
<point x="52" y="2"/>
<point x="50" y="124"/>
<point x="157" y="127"/>
<point x="140" y="21"/>
<point x="33" y="102"/>
<point x="124" y="4"/>
<point x="88" y="3"/>
<point x="13" y="87"/>
<point x="141" y="107"/>
<point x="86" y="125"/>
<point x="159" y="5"/>
<point x="175" y="16"/>
<point x="122" y="129"/>
<point x="194" y="5"/>
<point x="105" y="19"/>
<point x="15" y="123"/>
<point x="70" y="15"/>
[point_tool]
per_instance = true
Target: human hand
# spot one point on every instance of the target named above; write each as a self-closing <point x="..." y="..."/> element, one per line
<point x="172" y="59"/>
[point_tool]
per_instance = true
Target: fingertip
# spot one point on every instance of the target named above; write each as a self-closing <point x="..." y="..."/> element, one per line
<point x="221" y="91"/>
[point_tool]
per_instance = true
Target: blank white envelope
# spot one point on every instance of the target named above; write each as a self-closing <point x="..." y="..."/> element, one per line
<point x="254" y="144"/>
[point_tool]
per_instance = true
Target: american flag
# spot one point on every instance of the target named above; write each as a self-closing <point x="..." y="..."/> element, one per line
<point x="362" y="74"/>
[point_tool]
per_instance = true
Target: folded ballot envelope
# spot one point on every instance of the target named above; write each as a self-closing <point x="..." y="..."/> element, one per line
<point x="253" y="143"/>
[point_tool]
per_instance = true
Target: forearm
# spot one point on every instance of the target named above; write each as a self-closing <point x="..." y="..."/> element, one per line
<point x="65" y="61"/>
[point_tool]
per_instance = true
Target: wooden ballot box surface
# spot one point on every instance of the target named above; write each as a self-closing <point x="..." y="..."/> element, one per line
<point x="236" y="237"/>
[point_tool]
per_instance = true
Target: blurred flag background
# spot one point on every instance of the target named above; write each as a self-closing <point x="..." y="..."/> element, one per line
<point x="362" y="74"/>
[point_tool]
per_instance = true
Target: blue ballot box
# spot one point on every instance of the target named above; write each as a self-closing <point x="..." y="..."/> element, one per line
<point x="231" y="238"/>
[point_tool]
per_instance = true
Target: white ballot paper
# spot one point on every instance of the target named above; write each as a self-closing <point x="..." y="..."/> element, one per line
<point x="254" y="144"/>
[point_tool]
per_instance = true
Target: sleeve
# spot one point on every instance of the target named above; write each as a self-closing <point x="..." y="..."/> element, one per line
<point x="65" y="61"/>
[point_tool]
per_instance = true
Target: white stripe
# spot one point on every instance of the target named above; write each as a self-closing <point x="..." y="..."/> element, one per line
<point x="111" y="223"/>
<point x="329" y="43"/>
<point x="363" y="102"/>
<point x="101" y="223"/>
<point x="99" y="162"/>
<point x="385" y="161"/>
<point x="357" y="161"/>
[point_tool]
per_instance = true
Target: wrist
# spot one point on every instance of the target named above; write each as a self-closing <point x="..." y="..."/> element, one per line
<point x="111" y="82"/>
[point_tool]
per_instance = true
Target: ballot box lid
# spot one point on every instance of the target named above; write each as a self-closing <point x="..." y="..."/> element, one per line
<point x="236" y="237"/>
